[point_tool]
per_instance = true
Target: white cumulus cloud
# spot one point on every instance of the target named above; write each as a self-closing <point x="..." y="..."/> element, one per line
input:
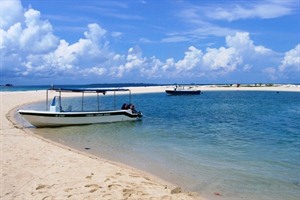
<point x="134" y="60"/>
<point x="37" y="36"/>
<point x="11" y="13"/>
<point x="222" y="60"/>
<point x="291" y="60"/>
<point x="242" y="43"/>
<point x="191" y="60"/>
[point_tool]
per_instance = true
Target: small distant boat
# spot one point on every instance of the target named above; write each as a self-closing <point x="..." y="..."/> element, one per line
<point x="54" y="115"/>
<point x="181" y="90"/>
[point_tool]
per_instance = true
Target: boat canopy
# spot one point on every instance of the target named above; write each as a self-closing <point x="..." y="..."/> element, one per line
<point x="92" y="90"/>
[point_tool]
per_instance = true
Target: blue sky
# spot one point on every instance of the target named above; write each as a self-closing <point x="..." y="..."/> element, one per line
<point x="171" y="41"/>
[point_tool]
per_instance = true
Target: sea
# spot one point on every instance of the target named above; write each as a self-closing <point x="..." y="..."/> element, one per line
<point x="220" y="144"/>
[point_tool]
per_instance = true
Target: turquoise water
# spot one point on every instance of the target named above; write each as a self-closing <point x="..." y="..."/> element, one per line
<point x="242" y="145"/>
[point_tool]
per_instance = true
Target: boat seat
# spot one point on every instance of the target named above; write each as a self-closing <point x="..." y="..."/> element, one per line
<point x="54" y="107"/>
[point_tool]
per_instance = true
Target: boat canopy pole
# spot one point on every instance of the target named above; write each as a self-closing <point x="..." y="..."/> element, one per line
<point x="60" y="108"/>
<point x="82" y="101"/>
<point x="115" y="100"/>
<point x="47" y="100"/>
<point x="98" y="101"/>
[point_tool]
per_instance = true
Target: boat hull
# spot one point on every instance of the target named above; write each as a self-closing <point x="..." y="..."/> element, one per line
<point x="183" y="92"/>
<point x="54" y="119"/>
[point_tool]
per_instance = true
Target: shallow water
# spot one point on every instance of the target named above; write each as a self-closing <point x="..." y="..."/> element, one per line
<point x="242" y="145"/>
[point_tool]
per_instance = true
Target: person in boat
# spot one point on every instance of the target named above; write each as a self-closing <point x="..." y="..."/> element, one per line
<point x="129" y="106"/>
<point x="132" y="107"/>
<point x="124" y="106"/>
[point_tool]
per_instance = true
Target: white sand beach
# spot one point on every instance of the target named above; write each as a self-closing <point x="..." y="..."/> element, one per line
<point x="35" y="168"/>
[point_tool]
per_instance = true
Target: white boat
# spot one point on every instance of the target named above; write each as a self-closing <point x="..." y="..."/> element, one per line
<point x="181" y="90"/>
<point x="54" y="115"/>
